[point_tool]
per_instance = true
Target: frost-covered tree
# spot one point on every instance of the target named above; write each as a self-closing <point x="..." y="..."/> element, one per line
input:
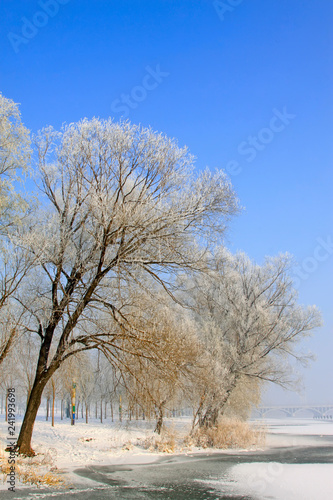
<point x="158" y="380"/>
<point x="121" y="204"/>
<point x="23" y="361"/>
<point x="245" y="396"/>
<point x="14" y="267"/>
<point x="14" y="160"/>
<point x="250" y="326"/>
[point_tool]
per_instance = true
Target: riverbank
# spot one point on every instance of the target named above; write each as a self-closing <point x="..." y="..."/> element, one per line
<point x="96" y="454"/>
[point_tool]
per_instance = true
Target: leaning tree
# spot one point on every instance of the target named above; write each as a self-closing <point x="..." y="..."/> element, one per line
<point x="119" y="203"/>
<point x="250" y="327"/>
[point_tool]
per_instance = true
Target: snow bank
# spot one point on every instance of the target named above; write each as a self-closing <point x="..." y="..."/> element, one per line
<point x="65" y="447"/>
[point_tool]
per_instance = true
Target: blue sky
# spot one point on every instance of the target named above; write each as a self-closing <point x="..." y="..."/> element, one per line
<point x="248" y="89"/>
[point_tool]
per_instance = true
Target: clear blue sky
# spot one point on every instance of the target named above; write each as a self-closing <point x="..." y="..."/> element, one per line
<point x="215" y="81"/>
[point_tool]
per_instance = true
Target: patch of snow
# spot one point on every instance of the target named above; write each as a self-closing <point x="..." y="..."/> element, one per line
<point x="282" y="481"/>
<point x="298" y="426"/>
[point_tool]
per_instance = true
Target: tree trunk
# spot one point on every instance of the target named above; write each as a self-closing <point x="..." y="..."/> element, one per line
<point x="24" y="439"/>
<point x="197" y="415"/>
<point x="214" y="411"/>
<point x="87" y="412"/>
<point x="28" y="396"/>
<point x="211" y="417"/>
<point x="47" y="408"/>
<point x="159" y="420"/>
<point x="8" y="345"/>
<point x="53" y="400"/>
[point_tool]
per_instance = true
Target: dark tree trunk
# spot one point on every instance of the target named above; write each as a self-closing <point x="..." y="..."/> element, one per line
<point x="8" y="345"/>
<point x="24" y="439"/>
<point x="215" y="410"/>
<point x="28" y="395"/>
<point x="47" y="408"/>
<point x="198" y="413"/>
<point x="43" y="375"/>
<point x="210" y="419"/>
<point x="53" y="400"/>
<point x="159" y="420"/>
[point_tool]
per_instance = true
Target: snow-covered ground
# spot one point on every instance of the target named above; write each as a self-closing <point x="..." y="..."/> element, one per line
<point x="65" y="448"/>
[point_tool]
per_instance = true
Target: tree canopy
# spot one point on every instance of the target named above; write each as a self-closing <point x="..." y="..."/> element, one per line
<point x="125" y="256"/>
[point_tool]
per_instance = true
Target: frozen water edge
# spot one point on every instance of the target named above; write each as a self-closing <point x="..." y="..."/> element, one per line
<point x="96" y="444"/>
<point x="283" y="481"/>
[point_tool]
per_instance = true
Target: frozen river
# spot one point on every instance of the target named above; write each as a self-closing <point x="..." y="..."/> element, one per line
<point x="297" y="464"/>
<point x="282" y="473"/>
